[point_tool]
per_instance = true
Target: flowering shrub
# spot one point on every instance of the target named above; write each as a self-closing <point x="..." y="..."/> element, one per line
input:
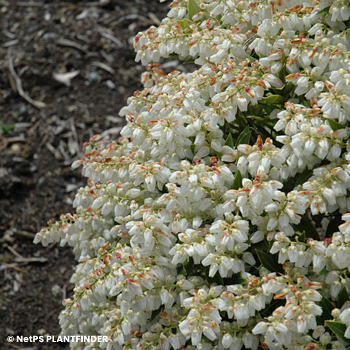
<point x="220" y="218"/>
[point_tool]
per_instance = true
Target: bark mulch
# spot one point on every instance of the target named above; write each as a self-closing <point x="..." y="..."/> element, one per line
<point x="66" y="69"/>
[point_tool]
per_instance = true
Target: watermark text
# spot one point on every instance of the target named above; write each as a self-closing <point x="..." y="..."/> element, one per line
<point x="57" y="338"/>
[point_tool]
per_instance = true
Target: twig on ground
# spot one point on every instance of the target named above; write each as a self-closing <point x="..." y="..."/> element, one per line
<point x="21" y="92"/>
<point x="104" y="66"/>
<point x="70" y="43"/>
<point x="11" y="43"/>
<point x="13" y="251"/>
<point x="53" y="150"/>
<point x="11" y="140"/>
<point x="29" y="4"/>
<point x="108" y="35"/>
<point x="154" y="18"/>
<point x="4" y="266"/>
<point x="21" y="259"/>
<point x="24" y="234"/>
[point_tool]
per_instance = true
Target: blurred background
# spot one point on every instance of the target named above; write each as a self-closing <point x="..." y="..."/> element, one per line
<point x="66" y="69"/>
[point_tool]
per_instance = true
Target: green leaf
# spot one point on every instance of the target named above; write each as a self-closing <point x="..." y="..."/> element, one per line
<point x="155" y="313"/>
<point x="335" y="125"/>
<point x="324" y="272"/>
<point x="191" y="60"/>
<point x="287" y="89"/>
<point x="273" y="305"/>
<point x="229" y="141"/>
<point x="263" y="132"/>
<point x="237" y="278"/>
<point x="237" y="182"/>
<point x="325" y="10"/>
<point x="303" y="177"/>
<point x="309" y="228"/>
<point x="273" y="100"/>
<point x="282" y="73"/>
<point x="244" y="136"/>
<point x="262" y="245"/>
<point x="333" y="226"/>
<point x="269" y="261"/>
<point x="327" y="308"/>
<point x="302" y="237"/>
<point x="193" y="148"/>
<point x="343" y="297"/>
<point x="338" y="329"/>
<point x="185" y="23"/>
<point x="193" y="8"/>
<point x="255" y="109"/>
<point x="269" y="109"/>
<point x="184" y="267"/>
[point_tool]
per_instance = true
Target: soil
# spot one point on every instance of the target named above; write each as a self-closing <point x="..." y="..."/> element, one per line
<point x="46" y="114"/>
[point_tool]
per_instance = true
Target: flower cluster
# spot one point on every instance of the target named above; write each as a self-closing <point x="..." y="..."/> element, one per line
<point x="220" y="219"/>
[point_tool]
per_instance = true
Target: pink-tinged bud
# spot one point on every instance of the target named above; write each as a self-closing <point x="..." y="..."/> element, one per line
<point x="247" y="88"/>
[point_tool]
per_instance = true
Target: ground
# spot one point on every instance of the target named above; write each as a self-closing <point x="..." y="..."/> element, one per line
<point x="66" y="68"/>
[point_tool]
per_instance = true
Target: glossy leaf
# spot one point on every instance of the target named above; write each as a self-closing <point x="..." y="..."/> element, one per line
<point x="255" y="109"/>
<point x="237" y="182"/>
<point x="193" y="8"/>
<point x="185" y="23"/>
<point x="229" y="141"/>
<point x="343" y="297"/>
<point x="302" y="237"/>
<point x="237" y="278"/>
<point x="269" y="261"/>
<point x="325" y="10"/>
<point x="327" y="308"/>
<point x="244" y="136"/>
<point x="273" y="100"/>
<point x="288" y="89"/>
<point x="309" y="228"/>
<point x="335" y="125"/>
<point x="338" y="329"/>
<point x="303" y="177"/>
